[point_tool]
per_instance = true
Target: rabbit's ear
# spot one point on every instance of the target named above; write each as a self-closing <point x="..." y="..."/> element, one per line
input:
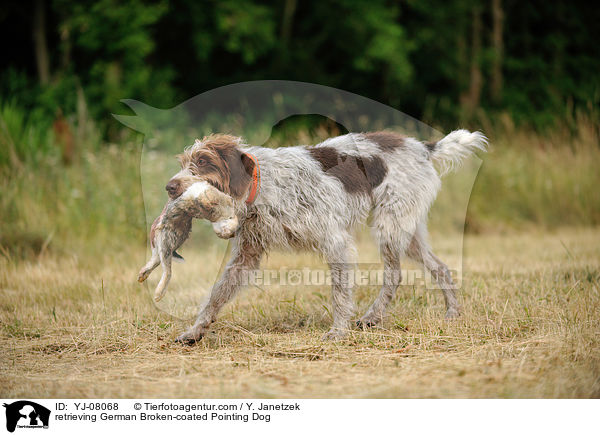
<point x="178" y="258"/>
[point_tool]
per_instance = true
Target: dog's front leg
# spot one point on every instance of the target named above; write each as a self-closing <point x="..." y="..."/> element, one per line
<point x="244" y="259"/>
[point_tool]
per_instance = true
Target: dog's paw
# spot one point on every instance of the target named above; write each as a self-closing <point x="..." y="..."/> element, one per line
<point x="452" y="313"/>
<point x="369" y="320"/>
<point x="189" y="338"/>
<point x="335" y="334"/>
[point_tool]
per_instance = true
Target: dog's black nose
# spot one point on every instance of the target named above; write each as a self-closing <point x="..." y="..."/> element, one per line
<point x="172" y="187"/>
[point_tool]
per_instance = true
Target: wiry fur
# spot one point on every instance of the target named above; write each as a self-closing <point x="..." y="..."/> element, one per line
<point x="306" y="202"/>
<point x="452" y="150"/>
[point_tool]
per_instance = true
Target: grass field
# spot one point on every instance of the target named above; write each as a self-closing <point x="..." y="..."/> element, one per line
<point x="80" y="326"/>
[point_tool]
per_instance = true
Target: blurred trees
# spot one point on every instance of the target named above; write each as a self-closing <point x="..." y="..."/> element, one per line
<point x="445" y="62"/>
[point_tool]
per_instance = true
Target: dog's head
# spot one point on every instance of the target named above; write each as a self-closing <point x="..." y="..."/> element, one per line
<point x="218" y="160"/>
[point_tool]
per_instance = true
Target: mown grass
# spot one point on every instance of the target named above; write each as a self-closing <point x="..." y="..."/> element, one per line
<point x="530" y="328"/>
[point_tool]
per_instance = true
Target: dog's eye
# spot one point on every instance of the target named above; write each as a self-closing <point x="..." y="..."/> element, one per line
<point x="201" y="162"/>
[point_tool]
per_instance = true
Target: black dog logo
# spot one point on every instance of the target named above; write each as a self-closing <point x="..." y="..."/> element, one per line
<point x="24" y="413"/>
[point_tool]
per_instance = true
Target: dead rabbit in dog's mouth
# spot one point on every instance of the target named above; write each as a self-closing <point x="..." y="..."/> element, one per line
<point x="172" y="228"/>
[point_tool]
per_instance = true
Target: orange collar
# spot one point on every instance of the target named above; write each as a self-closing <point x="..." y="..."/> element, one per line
<point x="255" y="188"/>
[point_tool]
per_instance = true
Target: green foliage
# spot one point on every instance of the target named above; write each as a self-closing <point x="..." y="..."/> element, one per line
<point x="247" y="28"/>
<point x="24" y="137"/>
<point x="387" y="47"/>
<point x="115" y="40"/>
<point x="419" y="56"/>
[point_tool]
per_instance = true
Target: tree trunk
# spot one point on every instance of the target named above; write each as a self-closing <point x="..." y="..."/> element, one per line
<point x="40" y="43"/>
<point x="498" y="44"/>
<point x="470" y="99"/>
<point x="288" y="17"/>
<point x="65" y="39"/>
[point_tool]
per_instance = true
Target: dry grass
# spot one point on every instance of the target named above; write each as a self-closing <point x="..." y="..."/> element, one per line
<point x="82" y="327"/>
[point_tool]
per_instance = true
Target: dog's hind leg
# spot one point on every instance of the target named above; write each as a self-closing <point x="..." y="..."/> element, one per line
<point x="393" y="234"/>
<point x="392" y="275"/>
<point x="339" y="256"/>
<point x="420" y="251"/>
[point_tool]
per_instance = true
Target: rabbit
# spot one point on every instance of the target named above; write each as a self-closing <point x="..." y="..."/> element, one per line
<point x="174" y="225"/>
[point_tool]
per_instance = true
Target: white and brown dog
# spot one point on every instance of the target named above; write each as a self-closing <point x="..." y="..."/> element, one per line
<point x="310" y="197"/>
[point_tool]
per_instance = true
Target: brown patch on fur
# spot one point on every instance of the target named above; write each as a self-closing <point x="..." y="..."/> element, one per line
<point x="293" y="238"/>
<point x="357" y="174"/>
<point x="430" y="146"/>
<point x="388" y="141"/>
<point x="218" y="161"/>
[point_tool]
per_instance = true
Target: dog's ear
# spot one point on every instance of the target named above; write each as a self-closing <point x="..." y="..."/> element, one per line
<point x="240" y="173"/>
<point x="248" y="163"/>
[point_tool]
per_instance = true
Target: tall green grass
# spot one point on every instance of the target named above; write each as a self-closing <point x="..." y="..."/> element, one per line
<point x="526" y="180"/>
<point x="95" y="202"/>
<point x="23" y="136"/>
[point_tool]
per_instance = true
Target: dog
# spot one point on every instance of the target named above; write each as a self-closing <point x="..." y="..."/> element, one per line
<point x="172" y="228"/>
<point x="311" y="197"/>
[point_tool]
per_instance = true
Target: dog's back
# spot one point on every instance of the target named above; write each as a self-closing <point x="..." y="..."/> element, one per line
<point x="309" y="193"/>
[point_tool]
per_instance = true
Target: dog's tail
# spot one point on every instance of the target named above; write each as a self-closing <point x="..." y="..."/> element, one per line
<point x="450" y="151"/>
